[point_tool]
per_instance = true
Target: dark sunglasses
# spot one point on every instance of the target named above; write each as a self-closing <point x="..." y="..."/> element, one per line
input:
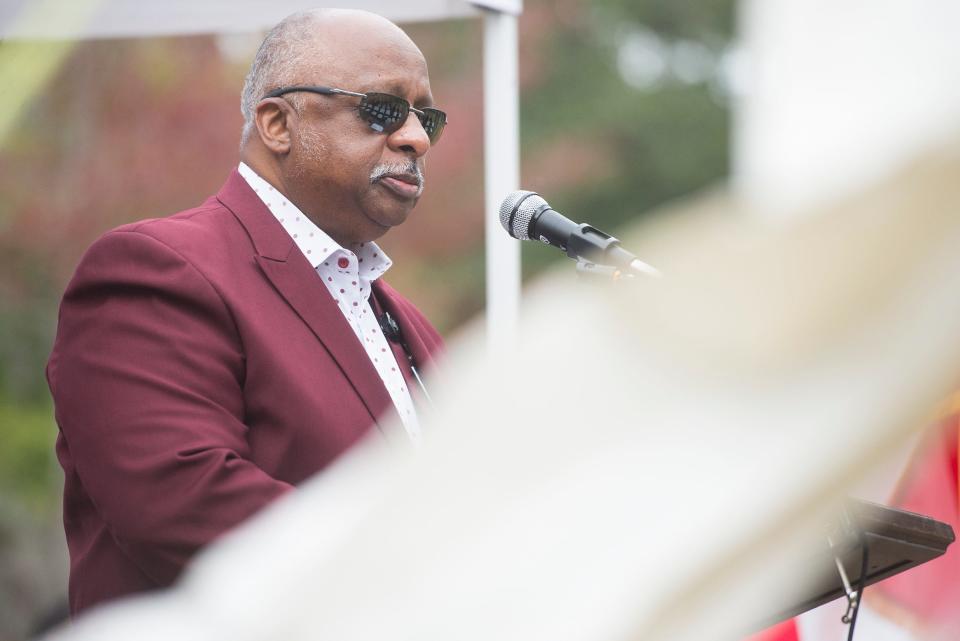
<point x="384" y="112"/>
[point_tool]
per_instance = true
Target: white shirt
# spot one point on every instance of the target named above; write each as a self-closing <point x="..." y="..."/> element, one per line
<point x="348" y="276"/>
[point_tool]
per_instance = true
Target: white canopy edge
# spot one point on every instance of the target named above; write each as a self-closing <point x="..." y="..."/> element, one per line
<point x="63" y="19"/>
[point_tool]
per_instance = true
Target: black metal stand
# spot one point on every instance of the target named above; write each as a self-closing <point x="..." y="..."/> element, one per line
<point x="864" y="544"/>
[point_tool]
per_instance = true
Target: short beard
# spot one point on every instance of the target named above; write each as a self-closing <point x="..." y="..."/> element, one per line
<point x="311" y="153"/>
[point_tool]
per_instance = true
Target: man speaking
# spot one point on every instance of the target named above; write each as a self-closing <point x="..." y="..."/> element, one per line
<point x="207" y="362"/>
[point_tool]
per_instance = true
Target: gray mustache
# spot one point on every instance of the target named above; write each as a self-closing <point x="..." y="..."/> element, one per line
<point x="411" y="168"/>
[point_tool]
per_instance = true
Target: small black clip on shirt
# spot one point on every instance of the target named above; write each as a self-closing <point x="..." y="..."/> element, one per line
<point x="391" y="331"/>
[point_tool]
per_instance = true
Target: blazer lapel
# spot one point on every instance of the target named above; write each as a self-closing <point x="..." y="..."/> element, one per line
<point x="410" y="328"/>
<point x="298" y="284"/>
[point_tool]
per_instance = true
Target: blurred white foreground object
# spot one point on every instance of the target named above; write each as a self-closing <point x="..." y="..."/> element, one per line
<point x="650" y="464"/>
<point x="839" y="94"/>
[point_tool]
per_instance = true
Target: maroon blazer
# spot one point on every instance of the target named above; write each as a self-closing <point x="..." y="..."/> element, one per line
<point x="200" y="370"/>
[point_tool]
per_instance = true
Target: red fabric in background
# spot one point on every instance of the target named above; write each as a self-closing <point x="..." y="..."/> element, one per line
<point x="783" y="631"/>
<point x="931" y="592"/>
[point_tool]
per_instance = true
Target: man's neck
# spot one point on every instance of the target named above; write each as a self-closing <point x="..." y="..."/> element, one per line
<point x="264" y="168"/>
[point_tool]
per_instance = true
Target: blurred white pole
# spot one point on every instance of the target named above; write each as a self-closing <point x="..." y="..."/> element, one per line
<point x="840" y="94"/>
<point x="501" y="152"/>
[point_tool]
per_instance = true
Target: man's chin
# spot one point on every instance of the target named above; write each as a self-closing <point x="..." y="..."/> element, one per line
<point x="390" y="214"/>
<point x="389" y="221"/>
<point x="379" y="223"/>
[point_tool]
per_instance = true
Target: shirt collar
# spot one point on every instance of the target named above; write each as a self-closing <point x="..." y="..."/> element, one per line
<point x="315" y="244"/>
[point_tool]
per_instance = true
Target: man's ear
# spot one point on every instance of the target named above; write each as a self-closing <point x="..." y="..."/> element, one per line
<point x="274" y="117"/>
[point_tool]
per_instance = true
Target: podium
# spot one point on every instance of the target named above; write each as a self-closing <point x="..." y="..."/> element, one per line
<point x="895" y="540"/>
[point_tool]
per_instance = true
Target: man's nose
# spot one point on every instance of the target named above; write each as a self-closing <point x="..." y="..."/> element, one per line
<point x="411" y="137"/>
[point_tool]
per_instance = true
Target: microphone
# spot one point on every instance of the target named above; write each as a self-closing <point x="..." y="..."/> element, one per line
<point x="527" y="216"/>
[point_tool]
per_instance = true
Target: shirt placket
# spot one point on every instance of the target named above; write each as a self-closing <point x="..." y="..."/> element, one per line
<point x="355" y="300"/>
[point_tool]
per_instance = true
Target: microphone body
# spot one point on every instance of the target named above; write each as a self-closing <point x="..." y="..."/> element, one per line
<point x="527" y="216"/>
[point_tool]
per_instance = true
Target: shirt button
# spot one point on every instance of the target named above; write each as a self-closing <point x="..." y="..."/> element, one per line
<point x="343" y="263"/>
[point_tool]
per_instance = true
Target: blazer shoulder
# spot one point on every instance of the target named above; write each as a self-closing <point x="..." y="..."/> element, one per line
<point x="209" y="231"/>
<point x="209" y="219"/>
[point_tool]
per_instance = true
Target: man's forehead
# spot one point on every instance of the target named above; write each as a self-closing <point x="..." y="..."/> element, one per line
<point x="396" y="79"/>
<point x="357" y="44"/>
<point x="369" y="66"/>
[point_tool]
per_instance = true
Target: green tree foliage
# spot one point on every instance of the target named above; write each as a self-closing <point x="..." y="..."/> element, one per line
<point x="703" y="20"/>
<point x="660" y="138"/>
<point x="26" y="458"/>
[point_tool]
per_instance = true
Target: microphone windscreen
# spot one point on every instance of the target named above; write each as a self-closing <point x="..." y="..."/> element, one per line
<point x="517" y="210"/>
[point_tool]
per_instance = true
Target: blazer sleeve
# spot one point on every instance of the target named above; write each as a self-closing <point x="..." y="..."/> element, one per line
<point x="147" y="377"/>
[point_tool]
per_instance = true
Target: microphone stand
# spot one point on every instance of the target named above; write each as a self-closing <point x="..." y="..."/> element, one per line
<point x="588" y="270"/>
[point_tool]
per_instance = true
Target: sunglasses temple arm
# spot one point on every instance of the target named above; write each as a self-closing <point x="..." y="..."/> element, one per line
<point x="344" y="92"/>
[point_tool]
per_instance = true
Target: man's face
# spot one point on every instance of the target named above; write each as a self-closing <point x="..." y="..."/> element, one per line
<point x="353" y="181"/>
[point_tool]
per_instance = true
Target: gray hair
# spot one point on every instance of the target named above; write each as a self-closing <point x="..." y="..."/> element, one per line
<point x="281" y="55"/>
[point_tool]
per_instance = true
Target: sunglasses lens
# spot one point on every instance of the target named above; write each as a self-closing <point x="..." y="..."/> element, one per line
<point x="384" y="112"/>
<point x="433" y="121"/>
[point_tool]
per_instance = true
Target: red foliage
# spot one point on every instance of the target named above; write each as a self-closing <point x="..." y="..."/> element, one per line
<point x="126" y="130"/>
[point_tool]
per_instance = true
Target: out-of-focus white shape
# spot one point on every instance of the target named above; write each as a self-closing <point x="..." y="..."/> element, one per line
<point x="692" y="62"/>
<point x="641" y="58"/>
<point x="135" y="18"/>
<point x="733" y="72"/>
<point x="513" y="7"/>
<point x="841" y="94"/>
<point x="501" y="168"/>
<point x="871" y="625"/>
<point x="824" y="624"/>
<point x="645" y="60"/>
<point x="654" y="462"/>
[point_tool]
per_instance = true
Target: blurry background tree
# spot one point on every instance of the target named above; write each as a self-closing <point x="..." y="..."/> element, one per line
<point x="624" y="106"/>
